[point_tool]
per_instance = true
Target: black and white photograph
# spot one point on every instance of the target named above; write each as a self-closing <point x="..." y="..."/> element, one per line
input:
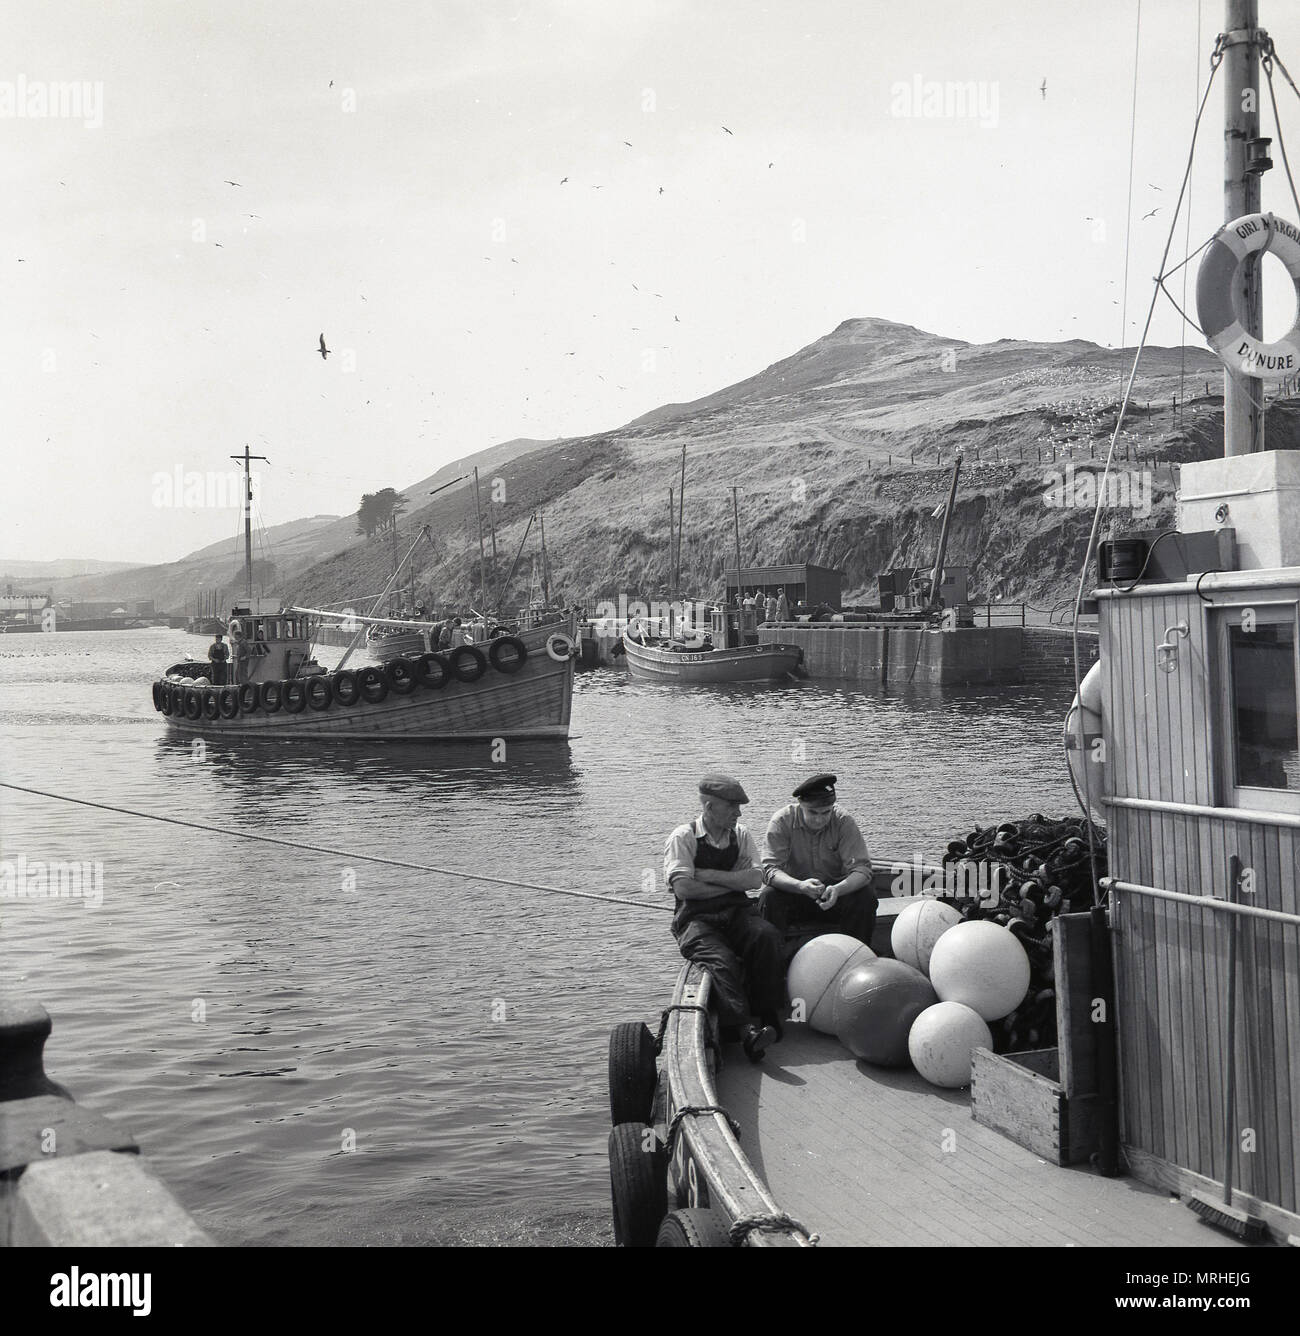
<point x="650" y="623"/>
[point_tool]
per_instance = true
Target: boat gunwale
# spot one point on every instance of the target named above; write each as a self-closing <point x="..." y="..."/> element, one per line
<point x="708" y="1138"/>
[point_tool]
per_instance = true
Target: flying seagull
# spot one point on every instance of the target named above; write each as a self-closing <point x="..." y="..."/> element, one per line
<point x="563" y="181"/>
<point x="1042" y="88"/>
<point x="1152" y="214"/>
<point x="324" y="351"/>
<point x="729" y="132"/>
<point x="234" y="183"/>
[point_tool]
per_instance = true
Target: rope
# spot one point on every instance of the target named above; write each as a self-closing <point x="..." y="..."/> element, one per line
<point x="768" y="1224"/>
<point x="689" y="1110"/>
<point x="462" y="873"/>
<point x="1216" y="59"/>
<point x="663" y="1020"/>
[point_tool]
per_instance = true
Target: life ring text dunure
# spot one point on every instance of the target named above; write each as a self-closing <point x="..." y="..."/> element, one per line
<point x="1220" y="296"/>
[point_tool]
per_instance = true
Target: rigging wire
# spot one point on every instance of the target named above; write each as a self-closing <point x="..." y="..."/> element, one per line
<point x="462" y="873"/>
<point x="1216" y="59"/>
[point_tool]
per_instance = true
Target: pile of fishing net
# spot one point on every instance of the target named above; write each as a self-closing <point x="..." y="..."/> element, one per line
<point x="1028" y="872"/>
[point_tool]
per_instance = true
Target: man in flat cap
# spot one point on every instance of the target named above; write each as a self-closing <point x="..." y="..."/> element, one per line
<point x="816" y="868"/>
<point x="711" y="865"/>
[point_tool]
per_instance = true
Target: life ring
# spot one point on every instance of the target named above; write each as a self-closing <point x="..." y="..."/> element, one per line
<point x="272" y="696"/>
<point x="319" y="695"/>
<point x="210" y="703"/>
<point x="236" y="629"/>
<point x="344" y="686"/>
<point x="468" y="663"/>
<point x="293" y="695"/>
<point x="559" y="647"/>
<point x="1219" y="304"/>
<point x="1087" y="772"/>
<point x="400" y="673"/>
<point x="432" y="671"/>
<point x="228" y="702"/>
<point x="250" y="699"/>
<point x="373" y="684"/>
<point x="508" y="654"/>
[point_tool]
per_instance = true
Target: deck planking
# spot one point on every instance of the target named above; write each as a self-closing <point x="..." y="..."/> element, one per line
<point x="858" y="1154"/>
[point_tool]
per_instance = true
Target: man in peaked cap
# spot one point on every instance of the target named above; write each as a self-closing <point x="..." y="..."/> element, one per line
<point x="711" y="865"/>
<point x="816" y="868"/>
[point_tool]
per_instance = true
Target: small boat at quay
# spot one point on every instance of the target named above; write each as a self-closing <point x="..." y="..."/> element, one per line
<point x="699" y="661"/>
<point x="1172" y="967"/>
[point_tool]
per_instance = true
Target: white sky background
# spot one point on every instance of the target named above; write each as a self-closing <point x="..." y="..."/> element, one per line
<point x="427" y="233"/>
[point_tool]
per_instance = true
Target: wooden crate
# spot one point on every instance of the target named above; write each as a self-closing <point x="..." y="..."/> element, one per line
<point x="1021" y="1095"/>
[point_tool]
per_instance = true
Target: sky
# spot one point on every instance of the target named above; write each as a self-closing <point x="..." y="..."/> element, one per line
<point x="541" y="218"/>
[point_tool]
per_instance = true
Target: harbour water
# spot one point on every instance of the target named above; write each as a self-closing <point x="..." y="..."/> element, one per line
<point x="316" y="1049"/>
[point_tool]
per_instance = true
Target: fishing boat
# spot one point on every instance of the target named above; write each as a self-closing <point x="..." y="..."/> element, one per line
<point x="729" y="652"/>
<point x="1177" y="1061"/>
<point x="496" y="685"/>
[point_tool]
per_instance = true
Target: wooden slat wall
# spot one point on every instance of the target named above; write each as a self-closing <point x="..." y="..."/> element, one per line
<point x="1172" y="978"/>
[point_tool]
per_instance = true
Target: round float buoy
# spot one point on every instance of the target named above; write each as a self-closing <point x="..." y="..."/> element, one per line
<point x="559" y="647"/>
<point x="941" y="1040"/>
<point x="639" y="1183"/>
<point x="875" y="1005"/>
<point x="508" y="654"/>
<point x="981" y="964"/>
<point x="811" y="978"/>
<point x="918" y="928"/>
<point x="632" y="1074"/>
<point x="1219" y="300"/>
<point x="1084" y="716"/>
<point x="432" y="670"/>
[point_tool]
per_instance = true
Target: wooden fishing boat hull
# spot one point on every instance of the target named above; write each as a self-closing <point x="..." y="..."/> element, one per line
<point x="749" y="663"/>
<point x="533" y="702"/>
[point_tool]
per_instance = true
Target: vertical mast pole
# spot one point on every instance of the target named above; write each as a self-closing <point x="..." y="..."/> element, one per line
<point x="482" y="553"/>
<point x="735" y="508"/>
<point x="681" y="513"/>
<point x="1243" y="427"/>
<point x="546" y="581"/>
<point x="248" y="518"/>
<point x="672" y="543"/>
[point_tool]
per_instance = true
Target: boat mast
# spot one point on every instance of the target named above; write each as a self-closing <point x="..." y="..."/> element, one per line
<point x="248" y="518"/>
<point x="681" y="512"/>
<point x="735" y="510"/>
<point x="1243" y="424"/>
<point x="482" y="552"/>
<point x="546" y="583"/>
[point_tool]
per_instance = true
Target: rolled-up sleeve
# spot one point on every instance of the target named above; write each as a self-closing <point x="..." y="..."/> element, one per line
<point x="679" y="854"/>
<point x="852" y="847"/>
<point x="776" y="843"/>
<point x="746" y="850"/>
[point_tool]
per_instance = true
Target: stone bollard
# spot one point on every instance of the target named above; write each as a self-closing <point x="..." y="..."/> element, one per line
<point x="68" y="1177"/>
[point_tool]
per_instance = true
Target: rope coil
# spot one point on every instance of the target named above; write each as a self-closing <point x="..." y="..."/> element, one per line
<point x="769" y="1224"/>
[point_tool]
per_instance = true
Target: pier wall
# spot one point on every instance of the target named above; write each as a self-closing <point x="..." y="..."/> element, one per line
<point x="68" y="1177"/>
<point x="858" y="653"/>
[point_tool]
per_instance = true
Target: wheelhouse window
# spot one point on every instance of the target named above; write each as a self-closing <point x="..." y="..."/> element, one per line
<point x="1263" y="727"/>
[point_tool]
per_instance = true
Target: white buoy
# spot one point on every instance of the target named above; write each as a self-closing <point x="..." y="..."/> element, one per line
<point x="813" y="972"/>
<point x="941" y="1040"/>
<point x="918" y="928"/>
<point x="981" y="964"/>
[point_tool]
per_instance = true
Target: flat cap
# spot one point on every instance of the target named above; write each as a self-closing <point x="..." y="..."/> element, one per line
<point x="724" y="787"/>
<point x="818" y="789"/>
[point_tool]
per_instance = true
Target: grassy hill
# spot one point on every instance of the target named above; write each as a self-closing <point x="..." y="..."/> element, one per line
<point x="841" y="453"/>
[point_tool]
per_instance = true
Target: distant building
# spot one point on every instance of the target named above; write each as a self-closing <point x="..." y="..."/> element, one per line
<point x="804" y="583"/>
